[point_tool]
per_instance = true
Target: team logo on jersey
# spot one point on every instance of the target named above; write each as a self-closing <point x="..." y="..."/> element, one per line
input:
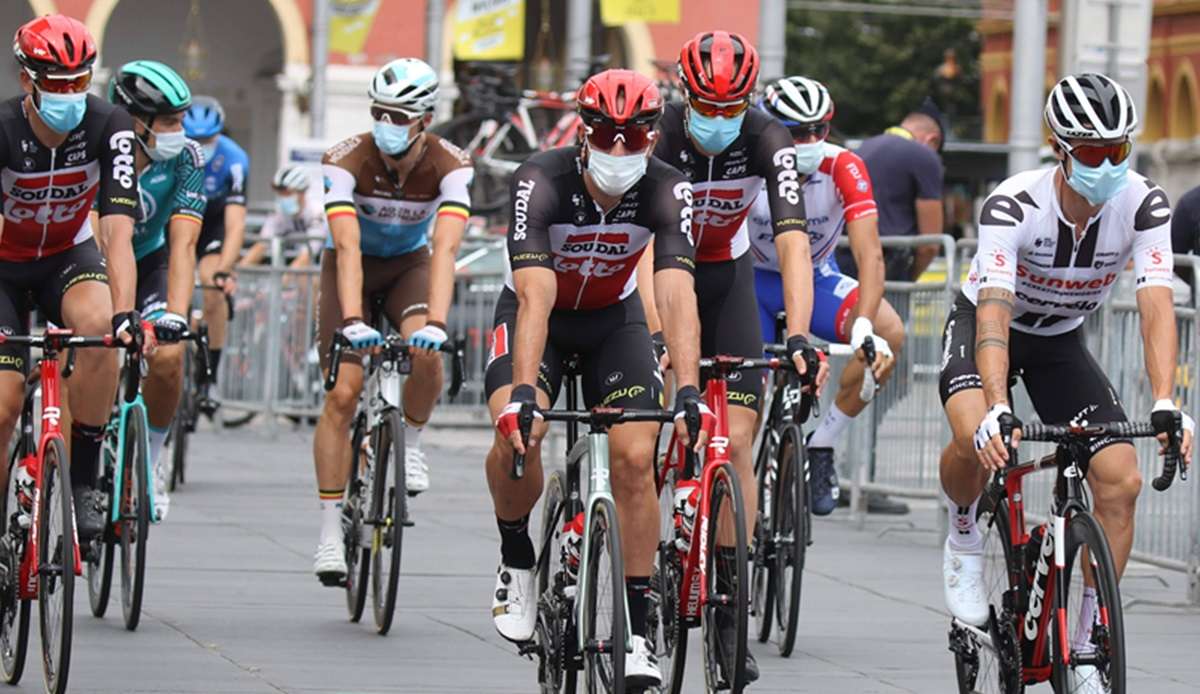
<point x="608" y="243"/>
<point x="788" y="177"/>
<point x="1001" y="210"/>
<point x="521" y="209"/>
<point x="149" y="206"/>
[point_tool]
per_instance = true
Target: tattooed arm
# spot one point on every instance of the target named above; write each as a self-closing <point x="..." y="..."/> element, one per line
<point x="993" y="313"/>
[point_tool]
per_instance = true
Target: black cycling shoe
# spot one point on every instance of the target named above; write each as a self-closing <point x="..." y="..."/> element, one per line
<point x="823" y="481"/>
<point x="727" y="639"/>
<point x="89" y="514"/>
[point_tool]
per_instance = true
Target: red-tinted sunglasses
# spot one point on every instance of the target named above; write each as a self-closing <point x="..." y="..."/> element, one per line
<point x="809" y="132"/>
<point x="708" y="109"/>
<point x="62" y="84"/>
<point x="604" y="135"/>
<point x="1094" y="155"/>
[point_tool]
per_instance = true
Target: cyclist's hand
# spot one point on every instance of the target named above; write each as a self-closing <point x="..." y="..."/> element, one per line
<point x="808" y="359"/>
<point x="227" y="281"/>
<point x="127" y="327"/>
<point x="1167" y="418"/>
<point x="989" y="444"/>
<point x="859" y="332"/>
<point x="509" y="421"/>
<point x="429" y="338"/>
<point x="688" y="403"/>
<point x="360" y="335"/>
<point x="170" y="327"/>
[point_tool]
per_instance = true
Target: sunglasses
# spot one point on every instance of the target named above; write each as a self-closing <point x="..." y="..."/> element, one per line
<point x="810" y="132"/>
<point x="604" y="135"/>
<point x="1094" y="155"/>
<point x="708" y="109"/>
<point x="61" y="84"/>
<point x="394" y="116"/>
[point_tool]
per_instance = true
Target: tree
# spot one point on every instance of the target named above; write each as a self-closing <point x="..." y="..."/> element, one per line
<point x="878" y="67"/>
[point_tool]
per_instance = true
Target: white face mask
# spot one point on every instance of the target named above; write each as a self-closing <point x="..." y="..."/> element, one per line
<point x="809" y="156"/>
<point x="615" y="174"/>
<point x="167" y="146"/>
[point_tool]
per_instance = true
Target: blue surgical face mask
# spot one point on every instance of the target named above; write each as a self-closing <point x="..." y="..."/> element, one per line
<point x="210" y="150"/>
<point x="1098" y="184"/>
<point x="62" y="113"/>
<point x="393" y="140"/>
<point x="167" y="146"/>
<point x="288" y="206"/>
<point x="715" y="134"/>
<point x="809" y="156"/>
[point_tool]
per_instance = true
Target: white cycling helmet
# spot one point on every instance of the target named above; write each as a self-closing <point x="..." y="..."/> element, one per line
<point x="291" y="178"/>
<point x="405" y="84"/>
<point x="1090" y="107"/>
<point x="798" y="100"/>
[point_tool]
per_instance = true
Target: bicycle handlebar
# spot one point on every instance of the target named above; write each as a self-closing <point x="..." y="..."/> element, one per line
<point x="200" y="338"/>
<point x="1069" y="433"/>
<point x="598" y="418"/>
<point x="396" y="348"/>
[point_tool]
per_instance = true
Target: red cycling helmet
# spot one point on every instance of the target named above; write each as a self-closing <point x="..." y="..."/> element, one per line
<point x="718" y="66"/>
<point x="621" y="96"/>
<point x="54" y="44"/>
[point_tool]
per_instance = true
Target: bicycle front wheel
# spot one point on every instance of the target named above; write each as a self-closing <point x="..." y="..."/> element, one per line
<point x="762" y="578"/>
<point x="789" y="535"/>
<point x="1097" y="638"/>
<point x="604" y="603"/>
<point x="553" y="663"/>
<point x="14" y="612"/>
<point x="133" y="527"/>
<point x="100" y="567"/>
<point x="665" y="622"/>
<point x="56" y="566"/>
<point x="184" y="421"/>
<point x="725" y="568"/>
<point x="389" y="513"/>
<point x="354" y="508"/>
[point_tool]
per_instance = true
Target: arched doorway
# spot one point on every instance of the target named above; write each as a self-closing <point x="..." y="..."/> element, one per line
<point x="1182" y="124"/>
<point x="1156" y="97"/>
<point x="997" y="114"/>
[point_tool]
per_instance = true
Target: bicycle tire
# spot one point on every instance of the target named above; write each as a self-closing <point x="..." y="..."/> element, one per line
<point x="665" y="622"/>
<point x="14" y="612"/>
<point x="358" y="557"/>
<point x="389" y="512"/>
<point x="762" y="578"/>
<point x="604" y="674"/>
<point x="1108" y="637"/>
<point x="134" y="523"/>
<point x="790" y="535"/>
<point x="100" y="568"/>
<point x="183" y="422"/>
<point x="729" y="594"/>
<point x="56" y="563"/>
<point x="551" y="632"/>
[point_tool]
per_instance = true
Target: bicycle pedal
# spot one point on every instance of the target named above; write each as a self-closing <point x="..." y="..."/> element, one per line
<point x="332" y="580"/>
<point x="411" y="493"/>
<point x="529" y="649"/>
<point x="408" y="523"/>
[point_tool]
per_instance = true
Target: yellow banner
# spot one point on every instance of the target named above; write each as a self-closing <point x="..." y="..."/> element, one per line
<point x="617" y="12"/>
<point x="489" y="30"/>
<point x="349" y="23"/>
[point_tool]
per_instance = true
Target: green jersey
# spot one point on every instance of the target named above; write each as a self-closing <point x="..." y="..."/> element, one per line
<point x="169" y="189"/>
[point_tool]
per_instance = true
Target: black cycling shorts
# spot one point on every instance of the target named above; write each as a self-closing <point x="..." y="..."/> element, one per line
<point x="1063" y="380"/>
<point x="151" y="299"/>
<point x="729" y="322"/>
<point x="212" y="229"/>
<point x="618" y="366"/>
<point x="42" y="283"/>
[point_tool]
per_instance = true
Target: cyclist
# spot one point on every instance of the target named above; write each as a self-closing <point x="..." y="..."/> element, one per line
<point x="837" y="196"/>
<point x="730" y="152"/>
<point x="581" y="218"/>
<point x="385" y="191"/>
<point x="1052" y="242"/>
<point x="226" y="167"/>
<point x="171" y="183"/>
<point x="297" y="215"/>
<point x="60" y="149"/>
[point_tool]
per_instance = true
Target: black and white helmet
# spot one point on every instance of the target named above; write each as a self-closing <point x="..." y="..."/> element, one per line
<point x="798" y="100"/>
<point x="1090" y="107"/>
<point x="405" y="84"/>
<point x="291" y="178"/>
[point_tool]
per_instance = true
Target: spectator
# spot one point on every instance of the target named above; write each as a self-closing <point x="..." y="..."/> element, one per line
<point x="298" y="219"/>
<point x="907" y="173"/>
<point x="1185" y="231"/>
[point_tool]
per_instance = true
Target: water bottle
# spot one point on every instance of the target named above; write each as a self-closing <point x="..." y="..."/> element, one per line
<point x="24" y="485"/>
<point x="572" y="546"/>
<point x="686" y="497"/>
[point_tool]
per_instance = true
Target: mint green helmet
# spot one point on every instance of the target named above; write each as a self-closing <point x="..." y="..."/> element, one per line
<point x="149" y="88"/>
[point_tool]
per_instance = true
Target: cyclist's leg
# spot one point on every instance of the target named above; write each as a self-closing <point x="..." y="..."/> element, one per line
<point x="13" y="363"/>
<point x="164" y="380"/>
<point x="768" y="291"/>
<point x="216" y="312"/>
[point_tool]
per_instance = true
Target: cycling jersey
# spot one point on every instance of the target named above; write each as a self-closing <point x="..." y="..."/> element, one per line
<point x="395" y="219"/>
<point x="839" y="191"/>
<point x="169" y="189"/>
<point x="47" y="193"/>
<point x="1027" y="247"/>
<point x="310" y="224"/>
<point x="594" y="254"/>
<point x="224" y="184"/>
<point x="726" y="185"/>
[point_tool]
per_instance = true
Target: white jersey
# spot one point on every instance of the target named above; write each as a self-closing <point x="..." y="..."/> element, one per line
<point x="1028" y="247"/>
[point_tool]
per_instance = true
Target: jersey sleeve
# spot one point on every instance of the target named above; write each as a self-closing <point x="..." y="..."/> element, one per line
<point x="1153" y="264"/>
<point x="673" y="243"/>
<point x="531" y="209"/>
<point x="776" y="163"/>
<point x="239" y="169"/>
<point x="854" y="186"/>
<point x="189" y="200"/>
<point x="1000" y="221"/>
<point x="339" y="191"/>
<point x="454" y="193"/>
<point x="118" y="177"/>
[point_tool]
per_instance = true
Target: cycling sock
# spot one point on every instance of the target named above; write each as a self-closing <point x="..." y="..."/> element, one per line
<point x="158" y="438"/>
<point x="827" y="432"/>
<point x="85" y="454"/>
<point x="1087" y="617"/>
<point x="516" y="549"/>
<point x="637" y="590"/>
<point x="214" y="360"/>
<point x="412" y="434"/>
<point x="964" y="532"/>
<point x="331" y="514"/>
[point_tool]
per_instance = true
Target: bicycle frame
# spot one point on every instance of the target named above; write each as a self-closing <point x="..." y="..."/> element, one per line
<point x="125" y="407"/>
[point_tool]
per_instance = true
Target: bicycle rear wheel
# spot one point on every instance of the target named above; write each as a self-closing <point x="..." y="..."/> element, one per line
<point x="552" y="634"/>
<point x="789" y="535"/>
<point x="665" y="622"/>
<point x="762" y="579"/>
<point x="56" y="567"/>
<point x="727" y="586"/>
<point x="358" y="553"/>
<point x="100" y="567"/>
<point x="184" y="421"/>
<point x="389" y="513"/>
<point x="604" y="603"/>
<point x="1103" y="659"/>
<point x="133" y="527"/>
<point x="14" y="612"/>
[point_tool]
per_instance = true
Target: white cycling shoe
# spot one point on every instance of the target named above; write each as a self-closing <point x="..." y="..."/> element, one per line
<point x="162" y="500"/>
<point x="962" y="580"/>
<point x="330" y="563"/>
<point x="416" y="472"/>
<point x="641" y="666"/>
<point x="1086" y="679"/>
<point x="514" y="604"/>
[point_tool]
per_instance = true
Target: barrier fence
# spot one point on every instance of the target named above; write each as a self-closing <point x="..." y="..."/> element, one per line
<point x="270" y="366"/>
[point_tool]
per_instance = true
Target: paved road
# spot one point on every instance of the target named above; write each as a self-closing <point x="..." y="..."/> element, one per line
<point x="232" y="607"/>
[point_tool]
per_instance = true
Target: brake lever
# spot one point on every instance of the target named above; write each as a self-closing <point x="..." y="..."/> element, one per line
<point x="524" y="424"/>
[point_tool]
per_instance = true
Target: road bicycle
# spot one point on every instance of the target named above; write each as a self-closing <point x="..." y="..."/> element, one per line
<point x="582" y="621"/>
<point x="39" y="551"/>
<point x="127" y="474"/>
<point x="1035" y="580"/>
<point x="375" y="512"/>
<point x="194" y="400"/>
